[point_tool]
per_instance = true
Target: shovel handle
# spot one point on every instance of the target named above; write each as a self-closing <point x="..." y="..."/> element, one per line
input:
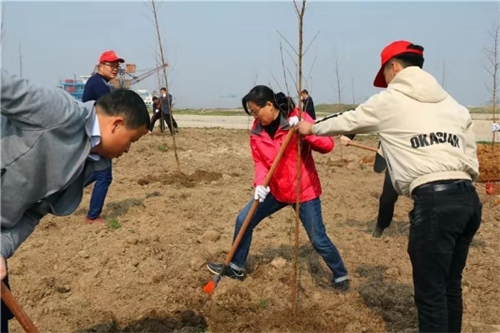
<point x="355" y="144"/>
<point x="255" y="204"/>
<point x="17" y="311"/>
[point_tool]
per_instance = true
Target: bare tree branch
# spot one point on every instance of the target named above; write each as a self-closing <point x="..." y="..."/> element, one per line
<point x="276" y="81"/>
<point x="492" y="68"/>
<point x="162" y="59"/>
<point x="294" y="81"/>
<point x="286" y="40"/>
<point x="2" y="32"/>
<point x="291" y="58"/>
<point x="312" y="66"/>
<point x="20" y="62"/>
<point x="283" y="66"/>
<point x="308" y="46"/>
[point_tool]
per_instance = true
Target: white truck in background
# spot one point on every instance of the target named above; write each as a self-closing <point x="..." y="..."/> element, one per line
<point x="146" y="96"/>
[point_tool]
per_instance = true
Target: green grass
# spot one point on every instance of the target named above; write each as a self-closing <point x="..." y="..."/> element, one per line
<point x="113" y="224"/>
<point x="162" y="148"/>
<point x="263" y="303"/>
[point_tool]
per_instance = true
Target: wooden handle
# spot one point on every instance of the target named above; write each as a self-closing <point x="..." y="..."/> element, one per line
<point x="355" y="144"/>
<point x="255" y="204"/>
<point x="17" y="311"/>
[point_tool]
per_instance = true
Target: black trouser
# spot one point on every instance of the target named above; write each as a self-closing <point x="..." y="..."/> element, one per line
<point x="166" y="118"/>
<point x="442" y="225"/>
<point x="6" y="315"/>
<point x="387" y="201"/>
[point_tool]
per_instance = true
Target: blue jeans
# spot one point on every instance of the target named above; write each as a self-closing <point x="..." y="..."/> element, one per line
<point x="102" y="180"/>
<point x="312" y="220"/>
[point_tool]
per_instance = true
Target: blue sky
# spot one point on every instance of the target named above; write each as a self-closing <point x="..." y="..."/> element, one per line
<point x="221" y="48"/>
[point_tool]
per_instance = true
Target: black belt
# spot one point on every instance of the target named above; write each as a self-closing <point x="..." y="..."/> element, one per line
<point x="442" y="185"/>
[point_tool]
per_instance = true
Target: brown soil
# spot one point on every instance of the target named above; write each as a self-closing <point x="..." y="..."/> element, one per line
<point x="489" y="162"/>
<point x="144" y="270"/>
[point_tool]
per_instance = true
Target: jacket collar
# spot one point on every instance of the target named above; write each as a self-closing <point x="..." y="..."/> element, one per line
<point x="284" y="125"/>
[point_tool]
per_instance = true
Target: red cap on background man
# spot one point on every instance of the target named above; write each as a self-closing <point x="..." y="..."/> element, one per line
<point x="110" y="56"/>
<point x="389" y="52"/>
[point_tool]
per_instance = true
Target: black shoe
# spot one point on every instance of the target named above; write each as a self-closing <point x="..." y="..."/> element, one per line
<point x="378" y="232"/>
<point x="229" y="272"/>
<point x="341" y="286"/>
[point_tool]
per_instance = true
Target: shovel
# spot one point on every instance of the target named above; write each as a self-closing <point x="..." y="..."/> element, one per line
<point x="355" y="144"/>
<point x="17" y="311"/>
<point x="210" y="286"/>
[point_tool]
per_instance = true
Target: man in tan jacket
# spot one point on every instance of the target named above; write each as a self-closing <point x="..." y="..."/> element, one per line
<point x="430" y="150"/>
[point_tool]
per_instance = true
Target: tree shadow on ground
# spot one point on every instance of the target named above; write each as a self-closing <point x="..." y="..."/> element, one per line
<point x="306" y="255"/>
<point x="119" y="208"/>
<point x="183" y="322"/>
<point x="393" y="301"/>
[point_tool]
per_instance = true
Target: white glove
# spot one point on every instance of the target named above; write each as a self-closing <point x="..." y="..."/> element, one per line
<point x="261" y="192"/>
<point x="293" y="121"/>
<point x="344" y="140"/>
<point x="495" y="127"/>
<point x="157" y="110"/>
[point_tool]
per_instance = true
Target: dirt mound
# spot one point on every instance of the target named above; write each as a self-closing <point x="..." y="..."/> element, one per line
<point x="489" y="162"/>
<point x="168" y="178"/>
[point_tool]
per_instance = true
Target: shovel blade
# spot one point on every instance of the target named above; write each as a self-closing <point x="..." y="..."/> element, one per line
<point x="210" y="286"/>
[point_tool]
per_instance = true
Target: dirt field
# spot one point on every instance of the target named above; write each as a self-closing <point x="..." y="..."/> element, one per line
<point x="144" y="271"/>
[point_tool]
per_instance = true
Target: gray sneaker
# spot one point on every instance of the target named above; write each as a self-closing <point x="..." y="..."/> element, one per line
<point x="220" y="269"/>
<point x="342" y="286"/>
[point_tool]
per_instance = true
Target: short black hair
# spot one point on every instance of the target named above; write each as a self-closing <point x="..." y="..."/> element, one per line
<point x="304" y="92"/>
<point x="163" y="88"/>
<point x="128" y="104"/>
<point x="155" y="98"/>
<point x="409" y="58"/>
<point x="260" y="95"/>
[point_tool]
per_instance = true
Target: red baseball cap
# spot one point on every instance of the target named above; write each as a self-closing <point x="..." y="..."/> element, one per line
<point x="110" y="56"/>
<point x="389" y="52"/>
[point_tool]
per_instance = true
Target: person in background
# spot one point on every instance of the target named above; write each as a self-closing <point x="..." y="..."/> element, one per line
<point x="166" y="106"/>
<point x="495" y="127"/>
<point x="308" y="104"/>
<point x="156" y="113"/>
<point x="389" y="196"/>
<point x="96" y="87"/>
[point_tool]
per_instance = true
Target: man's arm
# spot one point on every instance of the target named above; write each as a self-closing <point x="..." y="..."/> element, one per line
<point x="320" y="144"/>
<point x="363" y="119"/>
<point x="36" y="106"/>
<point x="12" y="238"/>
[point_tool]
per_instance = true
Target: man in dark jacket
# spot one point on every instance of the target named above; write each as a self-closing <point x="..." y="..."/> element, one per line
<point x="166" y="107"/>
<point x="97" y="86"/>
<point x="308" y="104"/>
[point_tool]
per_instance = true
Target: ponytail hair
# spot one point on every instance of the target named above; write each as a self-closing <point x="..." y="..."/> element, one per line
<point x="260" y="95"/>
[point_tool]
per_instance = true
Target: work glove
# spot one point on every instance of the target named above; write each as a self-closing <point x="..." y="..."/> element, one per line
<point x="293" y="121"/>
<point x="495" y="127"/>
<point x="157" y="110"/>
<point x="261" y="192"/>
<point x="344" y="140"/>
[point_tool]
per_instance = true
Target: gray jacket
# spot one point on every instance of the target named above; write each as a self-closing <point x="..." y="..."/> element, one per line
<point x="44" y="150"/>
